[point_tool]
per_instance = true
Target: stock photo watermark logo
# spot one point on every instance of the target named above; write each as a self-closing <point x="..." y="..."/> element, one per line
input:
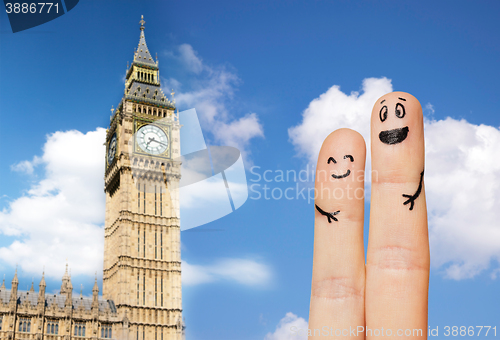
<point x="26" y="14"/>
<point x="307" y="184"/>
<point x="199" y="183"/>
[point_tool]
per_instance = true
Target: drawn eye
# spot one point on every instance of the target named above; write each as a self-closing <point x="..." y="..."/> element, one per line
<point x="383" y="113"/>
<point x="331" y="159"/>
<point x="400" y="110"/>
<point x="350" y="157"/>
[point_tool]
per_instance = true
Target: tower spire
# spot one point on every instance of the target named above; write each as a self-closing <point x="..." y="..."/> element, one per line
<point x="142" y="55"/>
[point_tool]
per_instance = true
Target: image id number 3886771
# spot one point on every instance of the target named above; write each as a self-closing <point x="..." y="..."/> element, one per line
<point x="31" y="7"/>
<point x="470" y="331"/>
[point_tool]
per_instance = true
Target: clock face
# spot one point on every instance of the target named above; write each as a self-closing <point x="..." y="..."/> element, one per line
<point x="152" y="139"/>
<point x="112" y="149"/>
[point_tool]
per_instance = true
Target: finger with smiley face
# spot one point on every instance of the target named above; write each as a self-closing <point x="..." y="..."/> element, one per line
<point x="339" y="266"/>
<point x="397" y="267"/>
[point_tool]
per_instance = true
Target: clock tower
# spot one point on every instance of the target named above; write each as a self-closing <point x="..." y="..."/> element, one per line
<point x="142" y="263"/>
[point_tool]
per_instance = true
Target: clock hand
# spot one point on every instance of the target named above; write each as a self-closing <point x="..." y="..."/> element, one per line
<point x="157" y="141"/>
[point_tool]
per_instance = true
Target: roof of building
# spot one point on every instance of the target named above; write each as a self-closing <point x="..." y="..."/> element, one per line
<point x="148" y="93"/>
<point x="59" y="299"/>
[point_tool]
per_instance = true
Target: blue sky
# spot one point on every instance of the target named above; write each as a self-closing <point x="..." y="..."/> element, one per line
<point x="253" y="71"/>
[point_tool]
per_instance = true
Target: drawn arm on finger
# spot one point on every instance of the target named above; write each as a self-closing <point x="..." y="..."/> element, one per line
<point x="411" y="198"/>
<point x="330" y="216"/>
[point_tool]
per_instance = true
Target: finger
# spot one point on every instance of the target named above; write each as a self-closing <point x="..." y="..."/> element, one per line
<point x="337" y="294"/>
<point x="397" y="267"/>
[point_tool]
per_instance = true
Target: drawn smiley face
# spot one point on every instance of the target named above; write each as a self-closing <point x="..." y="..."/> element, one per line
<point x="347" y="173"/>
<point x="398" y="135"/>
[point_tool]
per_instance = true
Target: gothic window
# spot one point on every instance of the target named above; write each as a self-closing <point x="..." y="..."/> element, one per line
<point x="138" y="74"/>
<point x="52" y="327"/>
<point x="147" y="90"/>
<point x="139" y="89"/>
<point x="1" y="318"/>
<point x="144" y="289"/>
<point x="80" y="329"/>
<point x="161" y="207"/>
<point x="24" y="325"/>
<point x="138" y="283"/>
<point x="156" y="290"/>
<point x="106" y="332"/>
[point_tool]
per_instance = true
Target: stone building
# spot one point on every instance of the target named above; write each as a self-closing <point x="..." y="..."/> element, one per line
<point x="40" y="315"/>
<point x="142" y="295"/>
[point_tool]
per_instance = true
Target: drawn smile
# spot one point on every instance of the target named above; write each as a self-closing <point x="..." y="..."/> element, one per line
<point x="393" y="136"/>
<point x="342" y="176"/>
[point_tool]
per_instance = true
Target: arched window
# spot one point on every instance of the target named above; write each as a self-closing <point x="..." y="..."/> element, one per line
<point x="138" y="74"/>
<point x="57" y="329"/>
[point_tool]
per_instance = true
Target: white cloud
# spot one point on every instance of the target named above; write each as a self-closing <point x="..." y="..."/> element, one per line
<point x="26" y="166"/>
<point x="462" y="178"/>
<point x="61" y="215"/>
<point x="242" y="271"/>
<point x="429" y="109"/>
<point x="291" y="327"/>
<point x="463" y="195"/>
<point x="189" y="57"/>
<point x="211" y="93"/>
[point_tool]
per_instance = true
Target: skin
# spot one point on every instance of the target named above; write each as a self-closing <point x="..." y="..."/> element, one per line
<point x="390" y="291"/>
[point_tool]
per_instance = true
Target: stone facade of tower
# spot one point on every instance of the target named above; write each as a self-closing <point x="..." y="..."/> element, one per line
<point x="142" y="264"/>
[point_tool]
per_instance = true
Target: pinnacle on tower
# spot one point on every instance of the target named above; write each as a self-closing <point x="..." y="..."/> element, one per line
<point x="142" y="55"/>
<point x="42" y="281"/>
<point x="96" y="287"/>
<point x="13" y="292"/>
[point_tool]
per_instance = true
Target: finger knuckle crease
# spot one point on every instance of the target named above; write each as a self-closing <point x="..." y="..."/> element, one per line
<point x="337" y="289"/>
<point x="397" y="258"/>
